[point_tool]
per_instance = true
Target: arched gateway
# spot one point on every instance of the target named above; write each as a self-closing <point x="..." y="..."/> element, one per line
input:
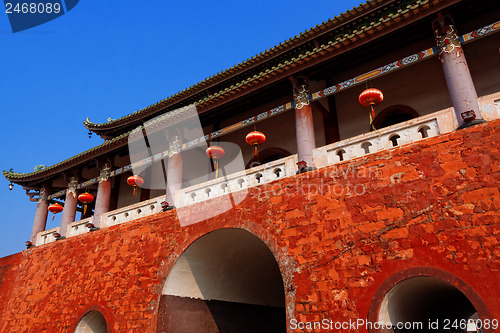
<point x="92" y="322"/>
<point x="225" y="281"/>
<point x="423" y="299"/>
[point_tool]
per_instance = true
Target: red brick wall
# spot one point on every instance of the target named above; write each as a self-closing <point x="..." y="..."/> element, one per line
<point x="338" y="236"/>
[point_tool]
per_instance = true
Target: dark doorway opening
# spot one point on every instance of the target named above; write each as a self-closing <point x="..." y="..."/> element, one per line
<point x="267" y="155"/>
<point x="92" y="322"/>
<point x="225" y="281"/>
<point x="394" y="115"/>
<point x="425" y="304"/>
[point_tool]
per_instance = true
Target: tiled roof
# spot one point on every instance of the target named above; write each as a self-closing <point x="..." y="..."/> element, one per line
<point x="84" y="156"/>
<point x="93" y="152"/>
<point x="342" y="30"/>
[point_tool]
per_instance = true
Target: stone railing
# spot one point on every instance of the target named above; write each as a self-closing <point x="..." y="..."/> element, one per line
<point x="78" y="227"/>
<point x="237" y="181"/>
<point x="490" y="106"/>
<point x="132" y="212"/>
<point x="369" y="143"/>
<point x="47" y="236"/>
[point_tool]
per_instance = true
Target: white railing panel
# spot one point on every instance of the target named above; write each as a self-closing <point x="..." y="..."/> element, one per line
<point x="47" y="236"/>
<point x="132" y="212"/>
<point x="404" y="133"/>
<point x="237" y="181"/>
<point x="383" y="139"/>
<point x="78" y="227"/>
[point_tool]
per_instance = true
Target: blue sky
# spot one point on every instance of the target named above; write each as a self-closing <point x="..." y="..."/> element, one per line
<point x="110" y="58"/>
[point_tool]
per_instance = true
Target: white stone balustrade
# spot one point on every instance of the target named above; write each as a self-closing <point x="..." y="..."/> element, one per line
<point x="78" y="227"/>
<point x="237" y="181"/>
<point x="490" y="106"/>
<point x="368" y="143"/>
<point x="47" y="236"/>
<point x="400" y="134"/>
<point x="132" y="212"/>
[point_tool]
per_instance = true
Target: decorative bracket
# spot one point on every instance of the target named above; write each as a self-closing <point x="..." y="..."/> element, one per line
<point x="300" y="91"/>
<point x="104" y="174"/>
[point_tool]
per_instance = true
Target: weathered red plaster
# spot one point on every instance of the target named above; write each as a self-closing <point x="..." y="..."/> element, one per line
<point x="432" y="204"/>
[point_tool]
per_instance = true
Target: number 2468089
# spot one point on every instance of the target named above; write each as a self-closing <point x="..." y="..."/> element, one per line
<point x="33" y="8"/>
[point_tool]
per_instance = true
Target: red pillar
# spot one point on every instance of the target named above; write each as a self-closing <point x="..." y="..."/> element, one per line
<point x="42" y="210"/>
<point x="103" y="195"/>
<point x="304" y="125"/>
<point x="460" y="85"/>
<point x="174" y="169"/>
<point x="70" y="204"/>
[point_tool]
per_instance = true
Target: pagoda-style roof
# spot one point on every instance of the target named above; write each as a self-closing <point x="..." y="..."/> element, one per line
<point x="356" y="27"/>
<point x="361" y="24"/>
<point x="47" y="172"/>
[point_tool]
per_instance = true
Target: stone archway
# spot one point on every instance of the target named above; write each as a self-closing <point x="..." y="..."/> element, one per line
<point x="267" y="155"/>
<point x="394" y="115"/>
<point x="226" y="281"/>
<point x="92" y="322"/>
<point x="426" y="300"/>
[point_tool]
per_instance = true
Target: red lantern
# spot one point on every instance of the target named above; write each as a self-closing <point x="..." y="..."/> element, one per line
<point x="55" y="208"/>
<point x="255" y="138"/>
<point x="85" y="198"/>
<point x="215" y="153"/>
<point x="135" y="181"/>
<point x="369" y="98"/>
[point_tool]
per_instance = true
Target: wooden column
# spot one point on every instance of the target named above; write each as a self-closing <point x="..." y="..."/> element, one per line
<point x="304" y="125"/>
<point x="42" y="210"/>
<point x="70" y="204"/>
<point x="460" y="85"/>
<point x="103" y="195"/>
<point x="174" y="168"/>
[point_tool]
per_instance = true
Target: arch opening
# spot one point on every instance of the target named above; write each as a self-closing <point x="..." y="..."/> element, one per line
<point x="394" y="140"/>
<point x="340" y="154"/>
<point x="424" y="131"/>
<point x="92" y="322"/>
<point x="267" y="155"/>
<point x="226" y="281"/>
<point x="366" y="147"/>
<point x="430" y="302"/>
<point x="394" y="115"/>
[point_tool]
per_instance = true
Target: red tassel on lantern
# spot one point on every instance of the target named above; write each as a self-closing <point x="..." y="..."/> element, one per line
<point x="135" y="181"/>
<point x="369" y="98"/>
<point x="54" y="209"/>
<point x="85" y="198"/>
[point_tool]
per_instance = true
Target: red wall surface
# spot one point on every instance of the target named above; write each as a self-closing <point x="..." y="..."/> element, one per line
<point x="342" y="236"/>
